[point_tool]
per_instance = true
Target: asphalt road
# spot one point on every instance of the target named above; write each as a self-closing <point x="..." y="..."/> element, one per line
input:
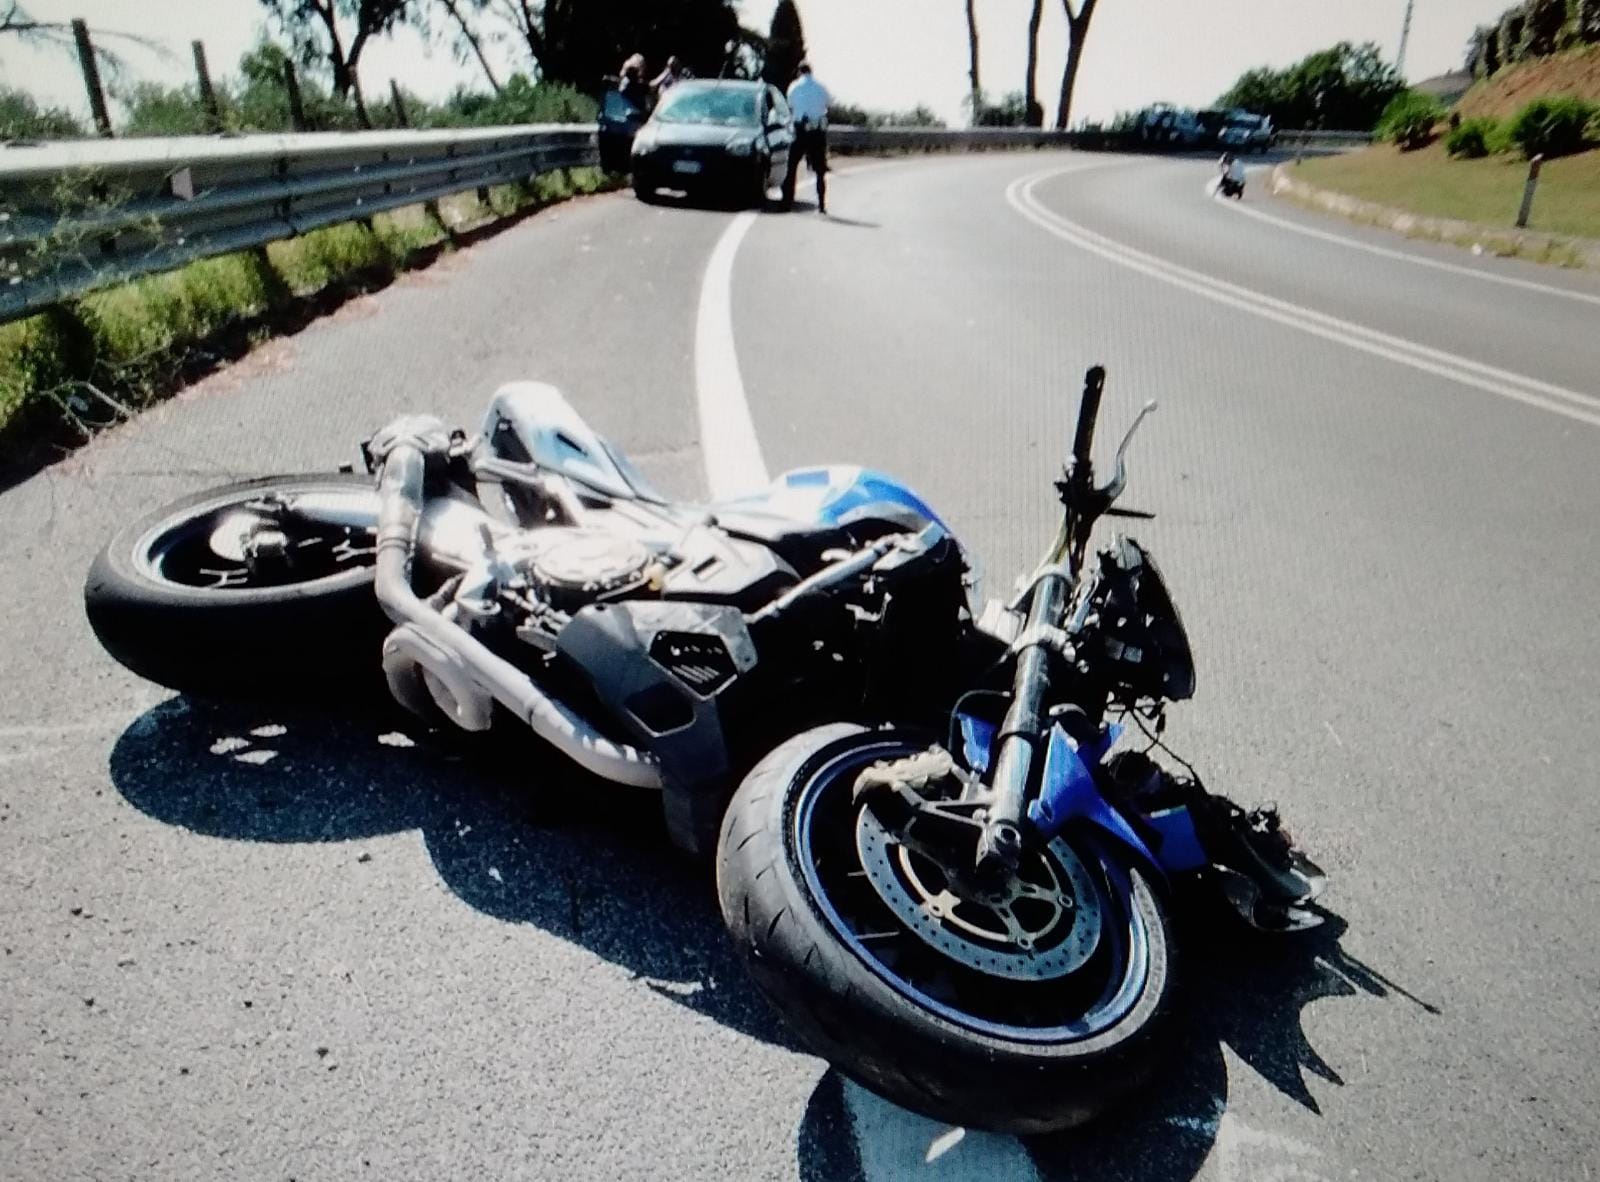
<point x="266" y="944"/>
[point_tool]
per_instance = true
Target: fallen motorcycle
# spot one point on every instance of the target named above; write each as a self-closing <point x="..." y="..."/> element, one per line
<point x="939" y="865"/>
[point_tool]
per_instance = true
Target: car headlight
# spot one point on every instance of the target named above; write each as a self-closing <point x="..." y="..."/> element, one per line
<point x="741" y="147"/>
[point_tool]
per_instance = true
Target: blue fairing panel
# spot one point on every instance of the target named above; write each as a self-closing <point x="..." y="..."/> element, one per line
<point x="1069" y="791"/>
<point x="840" y="495"/>
<point x="977" y="737"/>
<point x="1070" y="794"/>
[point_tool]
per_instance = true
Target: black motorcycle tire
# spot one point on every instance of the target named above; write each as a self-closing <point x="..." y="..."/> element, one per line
<point x="306" y="639"/>
<point x="850" y="1016"/>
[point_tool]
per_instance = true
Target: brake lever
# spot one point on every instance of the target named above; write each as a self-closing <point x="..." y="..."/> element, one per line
<point x="1139" y="514"/>
<point x="1113" y="490"/>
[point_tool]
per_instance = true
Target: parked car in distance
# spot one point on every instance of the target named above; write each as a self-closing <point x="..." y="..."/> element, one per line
<point x="1164" y="125"/>
<point x="1247" y="132"/>
<point x="728" y="137"/>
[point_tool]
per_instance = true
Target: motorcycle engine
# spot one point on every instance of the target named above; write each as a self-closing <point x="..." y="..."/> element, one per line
<point x="574" y="566"/>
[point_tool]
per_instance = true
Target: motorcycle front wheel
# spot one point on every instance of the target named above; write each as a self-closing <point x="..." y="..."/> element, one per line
<point x="225" y="593"/>
<point x="1027" y="1017"/>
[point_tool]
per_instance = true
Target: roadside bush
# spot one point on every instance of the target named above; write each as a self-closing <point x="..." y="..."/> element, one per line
<point x="1552" y="126"/>
<point x="23" y="119"/>
<point x="1409" y="118"/>
<point x="1472" y="138"/>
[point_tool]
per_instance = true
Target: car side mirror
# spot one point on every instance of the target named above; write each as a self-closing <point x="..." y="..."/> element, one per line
<point x="775" y="121"/>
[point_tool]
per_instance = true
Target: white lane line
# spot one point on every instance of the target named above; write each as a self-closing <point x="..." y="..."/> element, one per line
<point x="891" y="1143"/>
<point x="728" y="443"/>
<point x="1585" y="408"/>
<point x="1421" y="261"/>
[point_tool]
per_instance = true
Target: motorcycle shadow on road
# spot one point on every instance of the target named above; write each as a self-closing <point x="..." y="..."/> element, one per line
<point x="511" y="832"/>
<point x="520" y="838"/>
<point x="1245" y="993"/>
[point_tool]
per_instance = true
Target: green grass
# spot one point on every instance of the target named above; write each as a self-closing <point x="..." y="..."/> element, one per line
<point x="72" y="369"/>
<point x="1488" y="191"/>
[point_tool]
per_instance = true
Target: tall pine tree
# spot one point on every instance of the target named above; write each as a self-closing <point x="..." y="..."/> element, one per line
<point x="786" y="45"/>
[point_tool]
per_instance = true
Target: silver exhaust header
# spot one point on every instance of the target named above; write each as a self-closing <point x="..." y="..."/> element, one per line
<point x="430" y="659"/>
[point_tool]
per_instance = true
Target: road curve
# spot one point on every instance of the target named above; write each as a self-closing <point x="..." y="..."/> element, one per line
<point x="256" y="944"/>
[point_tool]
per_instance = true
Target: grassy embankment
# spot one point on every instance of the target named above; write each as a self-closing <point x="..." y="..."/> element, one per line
<point x="1487" y="190"/>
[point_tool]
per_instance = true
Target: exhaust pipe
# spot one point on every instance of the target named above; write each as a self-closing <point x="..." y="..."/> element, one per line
<point x="463" y="669"/>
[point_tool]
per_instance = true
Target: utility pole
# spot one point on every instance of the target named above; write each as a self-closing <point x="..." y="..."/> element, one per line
<point x="1405" y="35"/>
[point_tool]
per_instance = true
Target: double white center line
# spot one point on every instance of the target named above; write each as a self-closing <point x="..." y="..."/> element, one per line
<point x="1572" y="404"/>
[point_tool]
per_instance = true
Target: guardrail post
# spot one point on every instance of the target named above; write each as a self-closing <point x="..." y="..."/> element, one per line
<point x="297" y="108"/>
<point x="208" y="96"/>
<point x="399" y="104"/>
<point x="361" y="102"/>
<point x="91" y="77"/>
<point x="1527" y="191"/>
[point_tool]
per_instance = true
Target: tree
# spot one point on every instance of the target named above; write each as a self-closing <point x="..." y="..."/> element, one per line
<point x="15" y="21"/>
<point x="467" y="39"/>
<point x="1077" y="37"/>
<point x="1546" y="20"/>
<point x="1344" y="88"/>
<point x="1511" y="24"/>
<point x="1588" y="21"/>
<point x="786" y="45"/>
<point x="528" y="24"/>
<point x="1483" y="51"/>
<point x="975" y="90"/>
<point x="1031" y="91"/>
<point x="580" y="42"/>
<point x="336" y="32"/>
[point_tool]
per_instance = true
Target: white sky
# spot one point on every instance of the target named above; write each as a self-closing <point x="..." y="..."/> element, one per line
<point x="875" y="53"/>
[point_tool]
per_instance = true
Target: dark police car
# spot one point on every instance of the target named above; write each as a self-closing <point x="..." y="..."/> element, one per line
<point x="727" y="137"/>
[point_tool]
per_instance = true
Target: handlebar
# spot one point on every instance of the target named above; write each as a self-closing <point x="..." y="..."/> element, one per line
<point x="1094" y="384"/>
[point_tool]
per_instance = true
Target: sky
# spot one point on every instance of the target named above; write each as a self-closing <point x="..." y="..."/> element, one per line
<point x="880" y="54"/>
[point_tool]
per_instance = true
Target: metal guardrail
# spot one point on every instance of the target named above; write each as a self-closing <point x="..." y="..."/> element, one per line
<point x="934" y="139"/>
<point x="1323" y="139"/>
<point x="77" y="216"/>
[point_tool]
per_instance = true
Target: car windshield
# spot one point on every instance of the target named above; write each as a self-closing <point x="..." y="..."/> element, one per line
<point x="730" y="107"/>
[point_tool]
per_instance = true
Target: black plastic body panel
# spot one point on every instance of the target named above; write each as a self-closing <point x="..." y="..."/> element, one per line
<point x="612" y="643"/>
<point x="716" y="568"/>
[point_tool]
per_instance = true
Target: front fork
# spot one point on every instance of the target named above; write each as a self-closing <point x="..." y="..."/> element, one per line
<point x="1018" y="742"/>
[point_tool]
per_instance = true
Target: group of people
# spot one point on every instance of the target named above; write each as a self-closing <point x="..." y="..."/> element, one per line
<point x="640" y="92"/>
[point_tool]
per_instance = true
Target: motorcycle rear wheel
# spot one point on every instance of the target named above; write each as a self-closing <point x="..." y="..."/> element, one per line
<point x="167" y="605"/>
<point x="952" y="1041"/>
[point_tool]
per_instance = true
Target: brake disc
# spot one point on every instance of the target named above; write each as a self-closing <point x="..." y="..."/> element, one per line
<point x="1037" y="927"/>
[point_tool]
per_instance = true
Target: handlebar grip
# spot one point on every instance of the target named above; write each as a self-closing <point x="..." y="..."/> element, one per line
<point x="1094" y="383"/>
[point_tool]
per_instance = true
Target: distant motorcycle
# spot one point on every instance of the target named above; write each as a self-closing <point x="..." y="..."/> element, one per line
<point x="939" y="866"/>
<point x="1230" y="178"/>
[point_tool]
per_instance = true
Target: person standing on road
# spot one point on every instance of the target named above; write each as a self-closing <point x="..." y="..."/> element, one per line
<point x="808" y="100"/>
